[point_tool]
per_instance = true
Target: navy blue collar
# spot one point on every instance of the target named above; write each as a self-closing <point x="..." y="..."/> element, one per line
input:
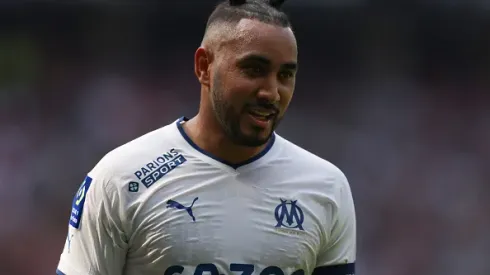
<point x="232" y="165"/>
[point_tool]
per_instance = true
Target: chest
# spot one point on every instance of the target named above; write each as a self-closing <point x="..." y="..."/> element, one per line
<point x="225" y="222"/>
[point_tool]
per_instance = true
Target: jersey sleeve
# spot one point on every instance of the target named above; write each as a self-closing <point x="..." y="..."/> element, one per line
<point x="95" y="243"/>
<point x="338" y="254"/>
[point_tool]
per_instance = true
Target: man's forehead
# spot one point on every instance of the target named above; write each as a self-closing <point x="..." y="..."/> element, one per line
<point x="253" y="36"/>
<point x="250" y="28"/>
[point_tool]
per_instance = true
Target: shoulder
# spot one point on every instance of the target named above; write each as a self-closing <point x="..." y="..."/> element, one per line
<point x="310" y="168"/>
<point x="132" y="161"/>
<point x="306" y="161"/>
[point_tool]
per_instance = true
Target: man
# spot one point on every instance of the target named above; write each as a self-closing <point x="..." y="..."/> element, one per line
<point x="220" y="193"/>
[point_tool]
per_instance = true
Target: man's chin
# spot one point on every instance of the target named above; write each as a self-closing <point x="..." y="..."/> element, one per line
<point x="255" y="139"/>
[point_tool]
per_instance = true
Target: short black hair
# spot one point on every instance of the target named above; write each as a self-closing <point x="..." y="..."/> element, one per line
<point x="266" y="11"/>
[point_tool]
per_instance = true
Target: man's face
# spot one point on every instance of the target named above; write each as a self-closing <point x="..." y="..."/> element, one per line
<point x="253" y="80"/>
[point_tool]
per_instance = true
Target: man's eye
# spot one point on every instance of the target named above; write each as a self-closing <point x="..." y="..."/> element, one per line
<point x="286" y="75"/>
<point x="254" y="71"/>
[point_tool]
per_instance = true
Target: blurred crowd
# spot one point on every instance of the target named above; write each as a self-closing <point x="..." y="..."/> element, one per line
<point x="399" y="100"/>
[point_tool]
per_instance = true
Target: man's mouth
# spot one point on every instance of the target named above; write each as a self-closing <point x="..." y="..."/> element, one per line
<point x="263" y="114"/>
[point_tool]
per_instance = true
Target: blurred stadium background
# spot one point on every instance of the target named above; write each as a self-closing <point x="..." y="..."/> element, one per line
<point x="395" y="93"/>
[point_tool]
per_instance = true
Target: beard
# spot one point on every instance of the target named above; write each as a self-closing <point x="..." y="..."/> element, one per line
<point x="230" y="120"/>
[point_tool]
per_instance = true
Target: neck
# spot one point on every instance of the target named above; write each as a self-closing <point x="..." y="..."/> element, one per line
<point x="206" y="132"/>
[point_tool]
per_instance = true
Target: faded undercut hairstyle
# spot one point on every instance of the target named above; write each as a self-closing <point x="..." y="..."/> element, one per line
<point x="266" y="11"/>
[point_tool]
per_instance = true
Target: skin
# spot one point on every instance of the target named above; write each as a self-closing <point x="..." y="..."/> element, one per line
<point x="242" y="67"/>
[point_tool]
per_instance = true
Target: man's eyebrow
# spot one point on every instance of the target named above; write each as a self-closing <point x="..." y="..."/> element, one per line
<point x="254" y="58"/>
<point x="293" y="66"/>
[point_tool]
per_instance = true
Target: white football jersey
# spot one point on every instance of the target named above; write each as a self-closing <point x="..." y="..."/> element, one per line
<point x="159" y="205"/>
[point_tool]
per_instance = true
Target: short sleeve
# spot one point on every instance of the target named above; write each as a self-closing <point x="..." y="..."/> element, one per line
<point x="95" y="242"/>
<point x="338" y="255"/>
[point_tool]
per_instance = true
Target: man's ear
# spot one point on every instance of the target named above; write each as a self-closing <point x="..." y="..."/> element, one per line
<point x="202" y="61"/>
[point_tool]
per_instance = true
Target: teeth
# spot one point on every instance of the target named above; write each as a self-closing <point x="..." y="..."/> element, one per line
<point x="261" y="113"/>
